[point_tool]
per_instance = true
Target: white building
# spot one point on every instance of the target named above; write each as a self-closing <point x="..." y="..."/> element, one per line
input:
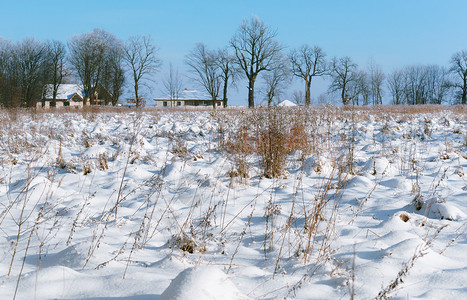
<point x="187" y="98"/>
<point x="67" y="95"/>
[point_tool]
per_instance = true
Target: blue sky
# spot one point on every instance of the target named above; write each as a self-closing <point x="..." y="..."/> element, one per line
<point x="389" y="33"/>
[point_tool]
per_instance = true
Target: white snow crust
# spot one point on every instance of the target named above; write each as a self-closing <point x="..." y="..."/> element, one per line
<point x="143" y="205"/>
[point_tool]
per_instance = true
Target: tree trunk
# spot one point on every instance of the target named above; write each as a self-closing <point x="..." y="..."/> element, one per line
<point x="214" y="102"/>
<point x="137" y="97"/>
<point x="87" y="93"/>
<point x="307" y="92"/>
<point x="464" y="92"/>
<point x="225" y="93"/>
<point x="251" y="93"/>
<point x="54" y="97"/>
<point x="344" y="99"/>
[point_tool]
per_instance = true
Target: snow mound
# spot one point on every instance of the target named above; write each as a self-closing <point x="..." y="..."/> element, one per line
<point x="94" y="151"/>
<point x="359" y="182"/>
<point x="286" y="103"/>
<point x="71" y="257"/>
<point x="202" y="282"/>
<point x="378" y="166"/>
<point x="447" y="211"/>
<point x="319" y="164"/>
<point x="397" y="183"/>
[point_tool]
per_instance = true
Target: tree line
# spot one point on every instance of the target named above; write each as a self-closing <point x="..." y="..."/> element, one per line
<point x="257" y="50"/>
<point x="96" y="59"/>
<point x="99" y="59"/>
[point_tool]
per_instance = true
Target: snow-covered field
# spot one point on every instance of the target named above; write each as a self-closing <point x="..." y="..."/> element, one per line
<point x="367" y="203"/>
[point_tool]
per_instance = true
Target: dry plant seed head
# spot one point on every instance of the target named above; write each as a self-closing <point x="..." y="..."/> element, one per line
<point x="87" y="143"/>
<point x="87" y="168"/>
<point x="134" y="157"/>
<point x="460" y="171"/>
<point x="240" y="169"/>
<point x="404" y="217"/>
<point x="179" y="148"/>
<point x="427" y="129"/>
<point x="61" y="163"/>
<point x="183" y="243"/>
<point x="103" y="165"/>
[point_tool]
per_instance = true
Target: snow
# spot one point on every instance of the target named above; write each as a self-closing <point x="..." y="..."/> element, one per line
<point x="201" y="282"/>
<point x="143" y="205"/>
<point x="287" y="103"/>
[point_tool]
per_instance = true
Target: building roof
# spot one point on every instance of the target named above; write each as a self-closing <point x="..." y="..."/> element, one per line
<point x="187" y="94"/>
<point x="65" y="91"/>
<point x="286" y="103"/>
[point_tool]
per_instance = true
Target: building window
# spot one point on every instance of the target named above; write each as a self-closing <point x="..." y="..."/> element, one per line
<point x="66" y="103"/>
<point x="164" y="103"/>
<point x="179" y="103"/>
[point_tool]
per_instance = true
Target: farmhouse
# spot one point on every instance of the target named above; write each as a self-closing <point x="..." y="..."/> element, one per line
<point x="70" y="95"/>
<point x="187" y="98"/>
<point x="67" y="95"/>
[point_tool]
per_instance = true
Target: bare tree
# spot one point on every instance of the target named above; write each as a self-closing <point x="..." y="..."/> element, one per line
<point x="141" y="58"/>
<point x="396" y="87"/>
<point x="322" y="99"/>
<point x="226" y="63"/>
<point x="459" y="67"/>
<point x="365" y="87"/>
<point x="275" y="80"/>
<point x="7" y="87"/>
<point x="437" y="84"/>
<point x="256" y="49"/>
<point x="376" y="79"/>
<point x="298" y="97"/>
<point x="173" y="84"/>
<point x="419" y="85"/>
<point x="114" y="74"/>
<point x="28" y="58"/>
<point x="88" y="55"/>
<point x="307" y="63"/>
<point x="343" y="72"/>
<point x="359" y="87"/>
<point x="56" y="67"/>
<point x="416" y="87"/>
<point x="205" y="68"/>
